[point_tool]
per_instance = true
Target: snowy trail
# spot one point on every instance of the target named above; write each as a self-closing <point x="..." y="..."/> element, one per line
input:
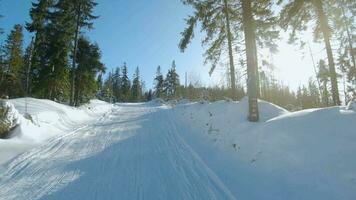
<point x="133" y="152"/>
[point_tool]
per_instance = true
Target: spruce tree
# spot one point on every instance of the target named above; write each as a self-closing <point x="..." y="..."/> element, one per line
<point x="125" y="84"/>
<point x="171" y="83"/>
<point x="159" y="82"/>
<point x="40" y="20"/>
<point x="136" y="89"/>
<point x="108" y="94"/>
<point x="81" y="11"/>
<point x="117" y="85"/>
<point x="12" y="82"/>
<point x="89" y="65"/>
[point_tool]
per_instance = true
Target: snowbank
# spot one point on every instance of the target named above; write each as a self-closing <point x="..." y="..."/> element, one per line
<point x="46" y="119"/>
<point x="9" y="117"/>
<point x="308" y="154"/>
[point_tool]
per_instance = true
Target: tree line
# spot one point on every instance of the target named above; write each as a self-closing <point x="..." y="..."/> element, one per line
<point x="244" y="28"/>
<point x="60" y="63"/>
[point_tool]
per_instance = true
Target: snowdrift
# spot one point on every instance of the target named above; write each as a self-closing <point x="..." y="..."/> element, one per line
<point x="46" y="119"/>
<point x="308" y="154"/>
<point x="9" y="118"/>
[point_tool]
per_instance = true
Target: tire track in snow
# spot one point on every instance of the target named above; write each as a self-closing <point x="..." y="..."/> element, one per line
<point x="134" y="152"/>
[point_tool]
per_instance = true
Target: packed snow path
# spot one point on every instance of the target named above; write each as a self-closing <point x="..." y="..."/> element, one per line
<point x="132" y="152"/>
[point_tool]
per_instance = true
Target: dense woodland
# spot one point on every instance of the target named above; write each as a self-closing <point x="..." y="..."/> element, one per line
<point x="61" y="63"/>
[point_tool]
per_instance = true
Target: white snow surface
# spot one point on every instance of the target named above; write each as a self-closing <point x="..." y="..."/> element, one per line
<point x="49" y="119"/>
<point x="183" y="150"/>
<point x="12" y="115"/>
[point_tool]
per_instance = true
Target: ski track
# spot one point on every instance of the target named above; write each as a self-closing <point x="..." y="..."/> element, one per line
<point x="133" y="152"/>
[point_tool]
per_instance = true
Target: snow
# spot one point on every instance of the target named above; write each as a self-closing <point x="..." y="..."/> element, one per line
<point x="181" y="150"/>
<point x="49" y="119"/>
<point x="12" y="115"/>
<point x="351" y="105"/>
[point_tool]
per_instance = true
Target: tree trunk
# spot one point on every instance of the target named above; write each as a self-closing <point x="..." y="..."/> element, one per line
<point x="231" y="58"/>
<point x="349" y="37"/>
<point x="251" y="58"/>
<point x="72" y="88"/>
<point x="326" y="34"/>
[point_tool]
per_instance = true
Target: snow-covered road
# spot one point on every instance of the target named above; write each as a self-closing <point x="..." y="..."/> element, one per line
<point x="133" y="152"/>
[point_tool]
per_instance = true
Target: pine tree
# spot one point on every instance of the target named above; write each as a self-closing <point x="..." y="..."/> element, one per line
<point x="159" y="82"/>
<point x="81" y="11"/>
<point x="125" y="84"/>
<point x="89" y="65"/>
<point x="297" y="14"/>
<point x="117" y="85"/>
<point x="171" y="83"/>
<point x="40" y="19"/>
<point x="108" y="94"/>
<point x="215" y="17"/>
<point x="136" y="89"/>
<point x="100" y="85"/>
<point x="12" y="82"/>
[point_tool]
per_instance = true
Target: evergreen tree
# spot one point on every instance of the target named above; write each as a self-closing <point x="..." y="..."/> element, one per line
<point x="100" y="84"/>
<point x="216" y="19"/>
<point x="81" y="11"/>
<point x="53" y="81"/>
<point x="117" y="85"/>
<point x="159" y="83"/>
<point x="89" y="65"/>
<point x="11" y="84"/>
<point x="171" y="83"/>
<point x="125" y="84"/>
<point x="323" y="75"/>
<point x="108" y="94"/>
<point x="297" y="14"/>
<point x="40" y="19"/>
<point x="136" y="89"/>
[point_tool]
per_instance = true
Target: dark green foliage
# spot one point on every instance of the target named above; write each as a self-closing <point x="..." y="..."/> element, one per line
<point x="107" y="92"/>
<point x="171" y="83"/>
<point x="159" y="83"/>
<point x="12" y="65"/>
<point x="57" y="25"/>
<point x="125" y="84"/>
<point x="136" y="88"/>
<point x="40" y="17"/>
<point x="117" y="85"/>
<point x="89" y="65"/>
<point x="81" y="12"/>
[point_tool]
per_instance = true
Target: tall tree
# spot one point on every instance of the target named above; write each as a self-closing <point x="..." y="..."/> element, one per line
<point x="297" y="14"/>
<point x="40" y="19"/>
<point x="136" y="89"/>
<point x="117" y="84"/>
<point x="12" y="84"/>
<point x="159" y="82"/>
<point x="81" y="11"/>
<point x="125" y="84"/>
<point x="89" y="65"/>
<point x="172" y="83"/>
<point x="215" y="17"/>
<point x="251" y="59"/>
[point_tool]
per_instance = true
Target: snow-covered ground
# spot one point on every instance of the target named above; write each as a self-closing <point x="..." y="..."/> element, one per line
<point x="180" y="151"/>
<point x="49" y="119"/>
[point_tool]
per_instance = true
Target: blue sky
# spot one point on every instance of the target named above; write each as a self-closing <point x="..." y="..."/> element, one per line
<point x="146" y="33"/>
